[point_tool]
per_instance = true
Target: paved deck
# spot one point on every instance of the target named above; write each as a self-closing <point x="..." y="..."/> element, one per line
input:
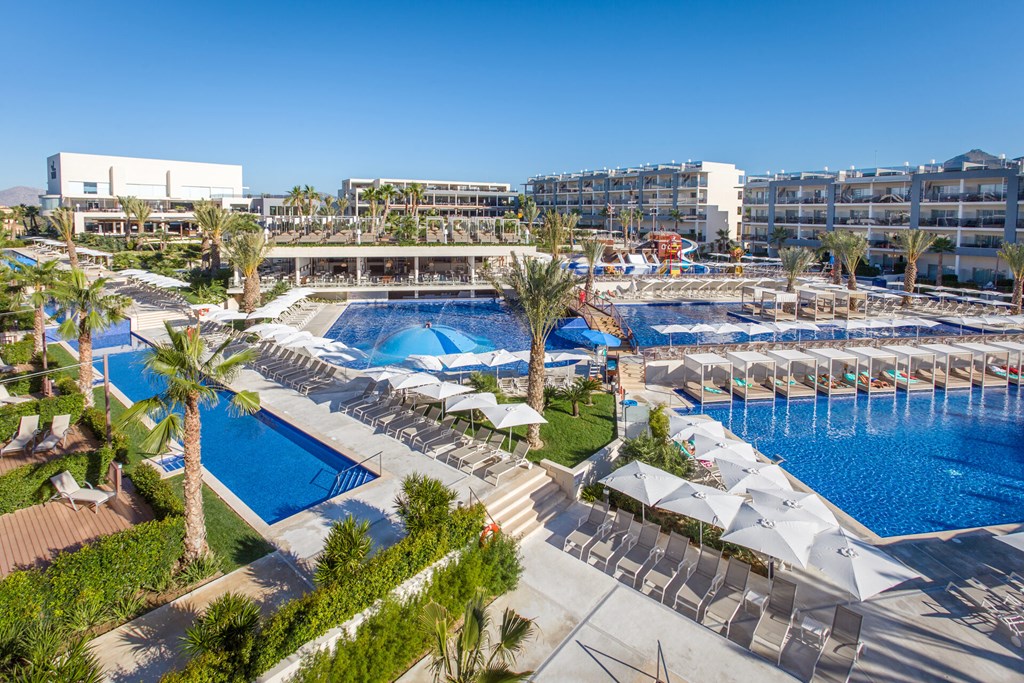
<point x="32" y="537"/>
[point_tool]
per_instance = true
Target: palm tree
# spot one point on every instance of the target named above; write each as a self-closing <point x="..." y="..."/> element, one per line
<point x="137" y="209"/>
<point x="542" y="290"/>
<point x="676" y="215"/>
<point x="778" y="238"/>
<point x="625" y="218"/>
<point x="1013" y="254"/>
<point x="414" y="193"/>
<point x="795" y="261"/>
<point x="295" y="199"/>
<point x="63" y="221"/>
<point x="18" y="216"/>
<point x="190" y="377"/>
<point x="576" y="393"/>
<point x="348" y="545"/>
<point x="310" y="198"/>
<point x="830" y="243"/>
<point x="41" y="279"/>
<point x="471" y="656"/>
<point x="86" y="310"/>
<point x="942" y="245"/>
<point x="387" y="194"/>
<point x="722" y="239"/>
<point x="246" y="250"/>
<point x="593" y="251"/>
<point x="215" y="222"/>
<point x="553" y="230"/>
<point x="529" y="209"/>
<point x="372" y="196"/>
<point x="914" y="244"/>
<point x="852" y="248"/>
<point x="32" y="213"/>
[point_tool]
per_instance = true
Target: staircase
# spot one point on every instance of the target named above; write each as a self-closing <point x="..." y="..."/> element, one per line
<point x="148" y="317"/>
<point x="631" y="374"/>
<point x="525" y="503"/>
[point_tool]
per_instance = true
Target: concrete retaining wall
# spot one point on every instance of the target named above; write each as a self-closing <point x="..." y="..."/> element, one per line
<point x="571" y="480"/>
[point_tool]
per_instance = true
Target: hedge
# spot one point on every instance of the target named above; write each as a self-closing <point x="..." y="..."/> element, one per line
<point x="95" y="577"/>
<point x="45" y="408"/>
<point x="19" y="352"/>
<point x="157" y="492"/>
<point x="312" y="615"/>
<point x="30" y="484"/>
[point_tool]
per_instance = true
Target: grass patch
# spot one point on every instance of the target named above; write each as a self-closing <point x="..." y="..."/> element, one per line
<point x="570" y="440"/>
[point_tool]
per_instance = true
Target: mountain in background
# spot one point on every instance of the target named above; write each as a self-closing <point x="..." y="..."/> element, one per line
<point x="21" y="194"/>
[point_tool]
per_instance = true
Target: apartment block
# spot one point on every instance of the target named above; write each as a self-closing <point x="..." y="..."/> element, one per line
<point x="439" y="198"/>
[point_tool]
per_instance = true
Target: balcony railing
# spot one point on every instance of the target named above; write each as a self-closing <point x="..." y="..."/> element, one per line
<point x="885" y="220"/>
<point x="891" y="198"/>
<point x="965" y="197"/>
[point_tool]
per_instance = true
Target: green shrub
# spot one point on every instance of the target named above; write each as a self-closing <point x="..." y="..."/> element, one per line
<point x="424" y="503"/>
<point x="19" y="352"/>
<point x="348" y="545"/>
<point x="65" y="384"/>
<point x="30" y="484"/>
<point x="45" y="408"/>
<point x="157" y="492"/>
<point x="226" y="632"/>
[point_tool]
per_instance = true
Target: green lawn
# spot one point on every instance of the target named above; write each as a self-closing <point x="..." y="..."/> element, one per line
<point x="570" y="440"/>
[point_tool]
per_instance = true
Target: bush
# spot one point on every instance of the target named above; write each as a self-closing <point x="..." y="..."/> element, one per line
<point x="157" y="492"/>
<point x="226" y="631"/>
<point x="30" y="484"/>
<point x="45" y="408"/>
<point x="96" y="420"/>
<point x="18" y="353"/>
<point x="424" y="503"/>
<point x="664" y="455"/>
<point x="348" y="545"/>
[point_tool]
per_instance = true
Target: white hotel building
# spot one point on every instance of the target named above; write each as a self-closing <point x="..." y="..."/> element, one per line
<point x="463" y="198"/>
<point x="91" y="183"/>
<point x="707" y="196"/>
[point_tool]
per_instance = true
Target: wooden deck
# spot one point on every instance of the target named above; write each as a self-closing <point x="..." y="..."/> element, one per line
<point x="78" y="440"/>
<point x="32" y="537"/>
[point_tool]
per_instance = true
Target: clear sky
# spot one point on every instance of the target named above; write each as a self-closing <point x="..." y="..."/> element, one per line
<point x="313" y="92"/>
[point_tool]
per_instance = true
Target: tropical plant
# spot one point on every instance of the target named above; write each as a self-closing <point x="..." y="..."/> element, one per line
<point x="347" y="547"/>
<point x="795" y="262"/>
<point x="676" y="215"/>
<point x="554" y="230"/>
<point x="371" y="195"/>
<point x="473" y="654"/>
<point x="941" y="246"/>
<point x="296" y="199"/>
<point x="62" y="220"/>
<point x="914" y="244"/>
<point x="46" y="651"/>
<point x="485" y="382"/>
<point x="778" y="237"/>
<point x="593" y="251"/>
<point x="228" y="628"/>
<point x="215" y="222"/>
<point x="86" y="310"/>
<point x="310" y="199"/>
<point x="136" y="209"/>
<point x="593" y="385"/>
<point x="625" y="218"/>
<point x="736" y="253"/>
<point x="542" y="290"/>
<point x="1013" y="254"/>
<point x="658" y="423"/>
<point x="722" y="239"/>
<point x="246" y="250"/>
<point x="424" y="503"/>
<point x="190" y="376"/>
<point x="528" y="207"/>
<point x="414" y="193"/>
<point x="40" y="278"/>
<point x="387" y="194"/>
<point x="851" y="248"/>
<point x="576" y="393"/>
<point x="32" y="213"/>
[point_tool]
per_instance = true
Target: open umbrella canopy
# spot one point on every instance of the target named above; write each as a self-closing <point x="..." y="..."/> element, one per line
<point x="424" y="362"/>
<point x="284" y="338"/>
<point x="264" y="328"/>
<point x="729" y="450"/>
<point x="442" y="390"/>
<point x="386" y="372"/>
<point x="506" y="415"/>
<point x="726" y="328"/>
<point x="642" y="482"/>
<point x="493" y="359"/>
<point x="453" y="361"/>
<point x="703" y="503"/>
<point x="740" y="474"/>
<point x="225" y="316"/>
<point x="336" y="357"/>
<point x="764" y="531"/>
<point x="470" y="402"/>
<point x="598" y="338"/>
<point x="806" y="507"/>
<point x="412" y="380"/>
<point x="751" y="329"/>
<point x="683" y="428"/>
<point x="432" y="340"/>
<point x="860" y="569"/>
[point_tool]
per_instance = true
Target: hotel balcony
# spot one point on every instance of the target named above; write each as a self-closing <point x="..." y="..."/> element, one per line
<point x="791" y="199"/>
<point x="874" y="220"/>
<point x="955" y="197"/>
<point x="892" y="198"/>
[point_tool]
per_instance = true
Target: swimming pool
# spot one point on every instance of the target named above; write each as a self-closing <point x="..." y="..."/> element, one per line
<point x="276" y="469"/>
<point x="904" y="464"/>
<point x="118" y="334"/>
<point x="18" y="257"/>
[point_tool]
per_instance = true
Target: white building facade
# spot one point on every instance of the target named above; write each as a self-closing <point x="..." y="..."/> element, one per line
<point x="465" y="198"/>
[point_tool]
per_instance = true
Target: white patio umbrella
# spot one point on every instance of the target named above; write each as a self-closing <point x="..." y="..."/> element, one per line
<point x="442" y="390"/>
<point x="563" y="356"/>
<point x="751" y="329"/>
<point x="740" y="475"/>
<point x="423" y="362"/>
<point x="682" y="428"/>
<point x="715" y="450"/>
<point x="386" y="372"/>
<point x="284" y="338"/>
<point x="336" y="357"/>
<point x="761" y="530"/>
<point x="268" y="327"/>
<point x="470" y="402"/>
<point x="283" y="332"/>
<point x="860" y="569"/>
<point x="806" y="507"/>
<point x="1013" y="540"/>
<point x="509" y="415"/>
<point x="453" y="361"/>
<point x="412" y="381"/>
<point x="495" y="359"/>
<point x="703" y="503"/>
<point x="643" y="483"/>
<point x="726" y="327"/>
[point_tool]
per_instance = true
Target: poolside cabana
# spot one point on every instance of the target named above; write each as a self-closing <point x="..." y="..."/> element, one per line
<point x="989" y="364"/>
<point x="851" y="304"/>
<point x="876" y="370"/>
<point x="910" y="361"/>
<point x="1015" y="361"/>
<point x="753" y="375"/>
<point x="750" y="297"/>
<point x="816" y="304"/>
<point x="707" y="377"/>
<point x="952" y="368"/>
<point x="794" y="372"/>
<point x="829" y="367"/>
<point x="775" y="305"/>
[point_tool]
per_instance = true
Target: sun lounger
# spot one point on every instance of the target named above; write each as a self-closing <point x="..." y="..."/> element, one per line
<point x="28" y="430"/>
<point x="494" y="473"/>
<point x="587" y="531"/>
<point x="671" y="562"/>
<point x="481" y="456"/>
<point x="620" y="536"/>
<point x="776" y="621"/>
<point x="693" y="595"/>
<point x="59" y="429"/>
<point x="645" y="552"/>
<point x="842" y="649"/>
<point x="7" y="399"/>
<point x="68" y="489"/>
<point x="728" y="598"/>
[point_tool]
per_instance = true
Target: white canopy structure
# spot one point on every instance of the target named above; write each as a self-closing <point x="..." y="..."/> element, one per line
<point x="795" y="372"/>
<point x="753" y="375"/>
<point x="989" y="365"/>
<point x="910" y="362"/>
<point x="707" y="377"/>
<point x="876" y="370"/>
<point x="830" y="367"/>
<point x="952" y="368"/>
<point x="1015" y="359"/>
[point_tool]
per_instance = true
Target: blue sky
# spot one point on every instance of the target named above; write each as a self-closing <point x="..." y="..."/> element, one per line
<point x="313" y="92"/>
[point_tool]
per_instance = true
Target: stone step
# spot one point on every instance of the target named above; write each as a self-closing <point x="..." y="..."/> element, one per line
<point x="516" y="488"/>
<point x="541" y="504"/>
<point x="551" y="507"/>
<point x="510" y="513"/>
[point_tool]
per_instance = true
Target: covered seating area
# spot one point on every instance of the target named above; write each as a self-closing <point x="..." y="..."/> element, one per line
<point x="910" y="361"/>
<point x="816" y="304"/>
<point x="830" y="367"/>
<point x="989" y="363"/>
<point x="952" y="367"/>
<point x="794" y="372"/>
<point x="1015" y="360"/>
<point x="753" y="375"/>
<point x="707" y="377"/>
<point x="876" y="369"/>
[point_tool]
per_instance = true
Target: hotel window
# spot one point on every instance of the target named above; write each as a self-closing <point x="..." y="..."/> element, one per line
<point x="88" y="188"/>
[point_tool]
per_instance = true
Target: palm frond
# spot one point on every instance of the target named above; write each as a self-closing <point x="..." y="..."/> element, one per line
<point x="244" y="403"/>
<point x="160" y="437"/>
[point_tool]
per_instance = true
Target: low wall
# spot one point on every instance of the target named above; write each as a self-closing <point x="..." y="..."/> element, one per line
<point x="664" y="372"/>
<point x="572" y="479"/>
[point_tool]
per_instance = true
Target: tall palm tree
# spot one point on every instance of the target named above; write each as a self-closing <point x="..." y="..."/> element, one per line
<point x="553" y="230"/>
<point x="136" y="209"/>
<point x="528" y="207"/>
<point x="471" y="655"/>
<point x="593" y="251"/>
<point x="246" y="250"/>
<point x="676" y="215"/>
<point x="625" y="218"/>
<point x="851" y="248"/>
<point x="40" y="278"/>
<point x="86" y="310"/>
<point x="341" y="203"/>
<point x="296" y="199"/>
<point x="387" y="194"/>
<point x="371" y="196"/>
<point x="32" y="213"/>
<point x="1013" y="254"/>
<point x="572" y="219"/>
<point x="18" y="216"/>
<point x="795" y="262"/>
<point x="189" y="376"/>
<point x="722" y="239"/>
<point x="914" y="244"/>
<point x="310" y="198"/>
<point x="542" y="290"/>
<point x="63" y="221"/>
<point x="215" y="222"/>
<point x="778" y="238"/>
<point x="830" y="243"/>
<point x="941" y="246"/>
<point x="414" y="193"/>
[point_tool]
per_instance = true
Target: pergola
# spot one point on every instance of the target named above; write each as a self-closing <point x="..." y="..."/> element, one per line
<point x="1015" y="359"/>
<point x="952" y="367"/>
<point x="753" y="375"/>
<point x="707" y="377"/>
<point x="750" y="305"/>
<point x="851" y="304"/>
<point x="910" y="361"/>
<point x="876" y="370"/>
<point x="816" y="304"/>
<point x="988" y="363"/>
<point x="775" y="305"/>
<point x="795" y="372"/>
<point x="830" y="366"/>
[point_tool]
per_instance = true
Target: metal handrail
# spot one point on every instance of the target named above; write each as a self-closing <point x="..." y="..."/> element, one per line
<point x="473" y="495"/>
<point x="338" y="476"/>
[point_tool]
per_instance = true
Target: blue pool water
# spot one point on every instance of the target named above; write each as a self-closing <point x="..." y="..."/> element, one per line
<point x="904" y="464"/>
<point x="20" y="258"/>
<point x="274" y="468"/>
<point x="119" y="334"/>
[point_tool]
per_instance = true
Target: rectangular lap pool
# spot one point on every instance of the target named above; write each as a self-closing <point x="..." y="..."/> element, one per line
<point x="276" y="469"/>
<point x="904" y="464"/>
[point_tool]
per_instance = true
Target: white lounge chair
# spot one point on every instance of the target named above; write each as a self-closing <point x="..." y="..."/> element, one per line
<point x="28" y="430"/>
<point x="58" y="433"/>
<point x="68" y="489"/>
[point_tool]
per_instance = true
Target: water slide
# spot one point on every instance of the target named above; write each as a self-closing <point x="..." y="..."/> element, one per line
<point x="684" y="263"/>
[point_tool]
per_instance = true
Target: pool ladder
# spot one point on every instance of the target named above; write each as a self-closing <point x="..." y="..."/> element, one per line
<point x="341" y="480"/>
